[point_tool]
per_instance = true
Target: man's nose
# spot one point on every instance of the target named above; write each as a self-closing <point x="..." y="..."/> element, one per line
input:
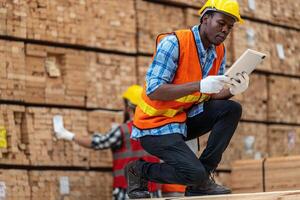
<point x="225" y="29"/>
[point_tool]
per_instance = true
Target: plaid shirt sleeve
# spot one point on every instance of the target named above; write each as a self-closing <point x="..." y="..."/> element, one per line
<point x="163" y="68"/>
<point x="112" y="139"/>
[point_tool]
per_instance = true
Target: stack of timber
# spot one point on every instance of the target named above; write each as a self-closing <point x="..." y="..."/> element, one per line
<point x="31" y="141"/>
<point x="14" y="184"/>
<point x="103" y="24"/>
<point x="270" y="174"/>
<point x="53" y="185"/>
<point x="280" y="195"/>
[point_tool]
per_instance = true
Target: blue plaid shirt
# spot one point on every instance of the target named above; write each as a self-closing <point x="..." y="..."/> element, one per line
<point x="163" y="69"/>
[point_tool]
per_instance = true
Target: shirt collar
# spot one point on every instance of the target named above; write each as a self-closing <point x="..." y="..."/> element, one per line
<point x="201" y="50"/>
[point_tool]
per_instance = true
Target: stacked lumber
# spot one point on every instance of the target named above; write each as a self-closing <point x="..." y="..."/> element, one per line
<point x="256" y="9"/>
<point x="30" y="138"/>
<point x="108" y="77"/>
<point x="282" y="173"/>
<point x="284" y="48"/>
<point x="283" y="140"/>
<point x="52" y="75"/>
<point x="283" y="12"/>
<point x="11" y="117"/>
<point x="44" y="149"/>
<point x="284" y="99"/>
<point x="153" y="19"/>
<point x="53" y="185"/>
<point x="271" y="174"/>
<point x="286" y="12"/>
<point x="14" y="185"/>
<point x="55" y="75"/>
<point x="12" y="73"/>
<point x="247" y="176"/>
<point x="73" y="22"/>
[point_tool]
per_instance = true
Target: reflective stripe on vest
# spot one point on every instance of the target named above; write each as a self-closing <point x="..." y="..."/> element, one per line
<point x="151" y="111"/>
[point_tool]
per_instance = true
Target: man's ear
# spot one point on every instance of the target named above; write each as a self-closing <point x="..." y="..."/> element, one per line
<point x="204" y="19"/>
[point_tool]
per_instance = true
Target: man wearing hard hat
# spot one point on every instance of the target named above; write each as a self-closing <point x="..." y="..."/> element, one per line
<point x="124" y="148"/>
<point x="183" y="98"/>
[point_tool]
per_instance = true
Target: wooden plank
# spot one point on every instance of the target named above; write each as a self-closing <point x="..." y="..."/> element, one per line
<point x="280" y="195"/>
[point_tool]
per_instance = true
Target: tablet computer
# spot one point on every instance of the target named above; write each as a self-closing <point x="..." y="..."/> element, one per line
<point x="247" y="62"/>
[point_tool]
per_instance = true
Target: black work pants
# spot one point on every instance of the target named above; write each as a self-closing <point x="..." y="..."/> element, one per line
<point x="181" y="165"/>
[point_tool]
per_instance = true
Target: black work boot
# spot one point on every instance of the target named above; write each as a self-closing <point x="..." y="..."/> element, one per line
<point x="137" y="186"/>
<point x="209" y="187"/>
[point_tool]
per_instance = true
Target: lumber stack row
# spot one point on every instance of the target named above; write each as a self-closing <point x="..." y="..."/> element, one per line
<point x="14" y="185"/>
<point x="108" y="77"/>
<point x="103" y="24"/>
<point x="51" y="75"/>
<point x="12" y="73"/>
<point x="283" y="140"/>
<point x="11" y="118"/>
<point x="53" y="185"/>
<point x="284" y="99"/>
<point x="271" y="174"/>
<point x="31" y="141"/>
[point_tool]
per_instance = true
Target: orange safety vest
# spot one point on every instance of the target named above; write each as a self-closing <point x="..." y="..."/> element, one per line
<point x="153" y="113"/>
<point x="165" y="188"/>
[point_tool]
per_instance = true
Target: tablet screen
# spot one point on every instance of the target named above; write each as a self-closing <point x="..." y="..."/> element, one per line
<point x="247" y="62"/>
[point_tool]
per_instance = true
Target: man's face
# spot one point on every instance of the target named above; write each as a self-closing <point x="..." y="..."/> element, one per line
<point x="219" y="25"/>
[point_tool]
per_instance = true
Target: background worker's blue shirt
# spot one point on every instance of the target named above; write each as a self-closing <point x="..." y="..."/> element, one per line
<point x="163" y="69"/>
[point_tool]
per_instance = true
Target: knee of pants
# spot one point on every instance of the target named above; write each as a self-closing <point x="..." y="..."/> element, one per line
<point x="235" y="108"/>
<point x="195" y="176"/>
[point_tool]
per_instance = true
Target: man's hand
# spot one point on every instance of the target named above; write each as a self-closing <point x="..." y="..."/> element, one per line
<point x="213" y="84"/>
<point x="59" y="130"/>
<point x="239" y="86"/>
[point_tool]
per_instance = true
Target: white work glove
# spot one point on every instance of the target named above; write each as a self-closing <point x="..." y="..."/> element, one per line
<point x="213" y="84"/>
<point x="240" y="85"/>
<point x="59" y="130"/>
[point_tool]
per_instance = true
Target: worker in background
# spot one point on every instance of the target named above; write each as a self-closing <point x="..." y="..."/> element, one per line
<point x="185" y="96"/>
<point x="118" y="140"/>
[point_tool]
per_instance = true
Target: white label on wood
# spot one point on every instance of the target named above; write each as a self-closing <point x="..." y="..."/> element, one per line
<point x="64" y="185"/>
<point x="2" y="190"/>
<point x="249" y="143"/>
<point x="291" y="140"/>
<point x="251" y="37"/>
<point x="280" y="51"/>
<point x="251" y="4"/>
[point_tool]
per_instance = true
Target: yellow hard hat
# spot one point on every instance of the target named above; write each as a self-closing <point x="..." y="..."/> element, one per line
<point x="230" y="7"/>
<point x="133" y="94"/>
